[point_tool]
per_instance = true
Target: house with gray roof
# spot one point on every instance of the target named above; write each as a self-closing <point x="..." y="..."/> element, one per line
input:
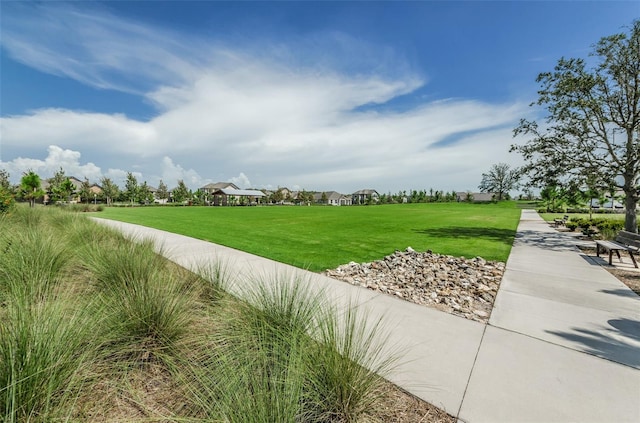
<point x="333" y="198"/>
<point x="211" y="187"/>
<point x="364" y="196"/>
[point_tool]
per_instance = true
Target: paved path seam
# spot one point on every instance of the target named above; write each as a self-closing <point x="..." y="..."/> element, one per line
<point x="475" y="360"/>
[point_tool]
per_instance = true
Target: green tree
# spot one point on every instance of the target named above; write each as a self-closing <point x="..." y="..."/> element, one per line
<point x="109" y="190"/>
<point x="85" y="191"/>
<point x="144" y="193"/>
<point x="7" y="197"/>
<point x="131" y="188"/>
<point x="323" y="198"/>
<point x="57" y="187"/>
<point x="500" y="179"/>
<point x="593" y="120"/>
<point x="277" y="196"/>
<point x="31" y="187"/>
<point x="199" y="197"/>
<point x="163" y="192"/>
<point x="551" y="194"/>
<point x="67" y="189"/>
<point x="181" y="193"/>
<point x="5" y="181"/>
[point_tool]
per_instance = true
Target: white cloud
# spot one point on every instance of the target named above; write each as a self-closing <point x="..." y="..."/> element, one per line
<point x="241" y="180"/>
<point x="172" y="173"/>
<point x="57" y="158"/>
<point x="92" y="46"/>
<point x="79" y="130"/>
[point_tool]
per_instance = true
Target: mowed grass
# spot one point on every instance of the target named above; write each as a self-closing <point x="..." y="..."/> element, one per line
<point x="320" y="238"/>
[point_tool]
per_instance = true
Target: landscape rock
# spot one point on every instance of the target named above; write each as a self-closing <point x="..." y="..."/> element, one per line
<point x="460" y="286"/>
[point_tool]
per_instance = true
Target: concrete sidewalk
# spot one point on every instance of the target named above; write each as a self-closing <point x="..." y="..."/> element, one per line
<point x="563" y="341"/>
<point x="562" y="344"/>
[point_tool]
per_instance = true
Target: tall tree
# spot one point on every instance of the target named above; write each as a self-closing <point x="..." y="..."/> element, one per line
<point x="5" y="181"/>
<point x="163" y="192"/>
<point x="109" y="190"/>
<point x="593" y="120"/>
<point x="67" y="189"/>
<point x="31" y="187"/>
<point x="144" y="193"/>
<point x="55" y="190"/>
<point x="7" y="199"/>
<point x="85" y="191"/>
<point x="131" y="188"/>
<point x="181" y="192"/>
<point x="500" y="179"/>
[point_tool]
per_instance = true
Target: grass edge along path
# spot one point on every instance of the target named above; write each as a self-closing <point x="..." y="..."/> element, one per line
<point x="320" y="238"/>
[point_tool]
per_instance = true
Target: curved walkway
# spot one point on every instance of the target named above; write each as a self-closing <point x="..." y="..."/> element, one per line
<point x="562" y="343"/>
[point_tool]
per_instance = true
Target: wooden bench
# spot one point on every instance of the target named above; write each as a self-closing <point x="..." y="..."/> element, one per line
<point x="624" y="241"/>
<point x="560" y="222"/>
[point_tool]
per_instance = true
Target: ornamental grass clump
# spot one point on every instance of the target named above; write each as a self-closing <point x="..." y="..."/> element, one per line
<point x="47" y="334"/>
<point x="46" y="350"/>
<point x="147" y="308"/>
<point x="32" y="261"/>
<point x="347" y="365"/>
<point x="213" y="280"/>
<point x="284" y="355"/>
<point x="254" y="367"/>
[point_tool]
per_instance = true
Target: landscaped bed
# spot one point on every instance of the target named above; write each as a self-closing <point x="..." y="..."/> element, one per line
<point x="94" y="327"/>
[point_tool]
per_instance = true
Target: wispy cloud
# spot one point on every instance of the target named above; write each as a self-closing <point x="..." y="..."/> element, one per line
<point x="95" y="47"/>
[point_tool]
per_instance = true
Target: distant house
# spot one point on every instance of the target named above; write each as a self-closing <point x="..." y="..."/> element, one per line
<point x="333" y="198"/>
<point x="236" y="197"/>
<point x="211" y="188"/>
<point x="364" y="196"/>
<point x="96" y="189"/>
<point x="287" y="194"/>
<point x="475" y="197"/>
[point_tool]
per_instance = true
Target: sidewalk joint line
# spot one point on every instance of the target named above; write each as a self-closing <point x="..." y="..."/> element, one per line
<point x="473" y="366"/>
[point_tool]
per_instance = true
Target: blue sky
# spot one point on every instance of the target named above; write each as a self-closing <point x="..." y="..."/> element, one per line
<point x="316" y="95"/>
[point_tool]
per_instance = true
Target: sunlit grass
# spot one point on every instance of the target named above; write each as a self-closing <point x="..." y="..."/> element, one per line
<point x="320" y="238"/>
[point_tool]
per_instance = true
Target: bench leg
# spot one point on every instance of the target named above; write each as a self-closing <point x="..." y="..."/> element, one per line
<point x="610" y="257"/>
<point x="633" y="259"/>
<point x="618" y="254"/>
<point x="598" y="250"/>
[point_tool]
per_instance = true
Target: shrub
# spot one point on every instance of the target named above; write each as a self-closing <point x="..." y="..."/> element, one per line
<point x="571" y="225"/>
<point x="609" y="228"/>
<point x="7" y="200"/>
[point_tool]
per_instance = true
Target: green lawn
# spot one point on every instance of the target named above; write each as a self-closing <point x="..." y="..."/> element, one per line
<point x="320" y="238"/>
